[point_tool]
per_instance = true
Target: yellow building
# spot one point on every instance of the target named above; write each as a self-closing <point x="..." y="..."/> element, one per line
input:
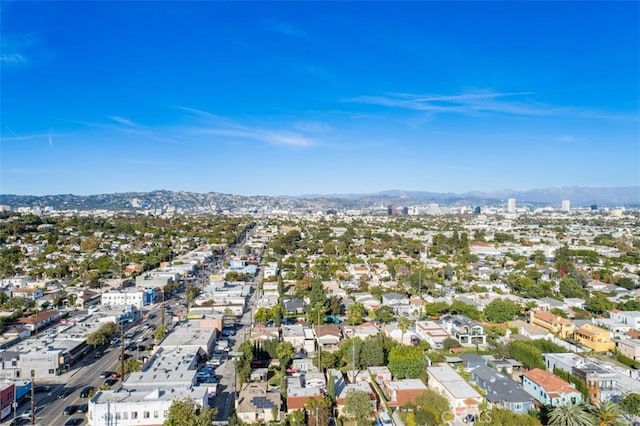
<point x="562" y="327"/>
<point x="595" y="338"/>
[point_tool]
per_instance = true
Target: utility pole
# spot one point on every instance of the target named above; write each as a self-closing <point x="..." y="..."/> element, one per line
<point x="33" y="393"/>
<point x="162" y="306"/>
<point x="122" y="352"/>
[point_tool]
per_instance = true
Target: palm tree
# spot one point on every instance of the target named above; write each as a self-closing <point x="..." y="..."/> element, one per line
<point x="608" y="413"/>
<point x="403" y="324"/>
<point x="570" y="415"/>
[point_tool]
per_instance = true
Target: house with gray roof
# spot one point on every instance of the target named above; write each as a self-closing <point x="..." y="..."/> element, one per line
<point x="502" y="391"/>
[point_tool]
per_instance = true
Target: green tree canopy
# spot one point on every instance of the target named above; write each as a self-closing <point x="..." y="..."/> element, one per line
<point x="406" y="362"/>
<point x="631" y="404"/>
<point x="357" y="405"/>
<point x="185" y="412"/>
<point x="385" y="314"/>
<point x="501" y="310"/>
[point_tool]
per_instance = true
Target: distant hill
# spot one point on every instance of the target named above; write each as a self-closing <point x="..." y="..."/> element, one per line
<point x="218" y="202"/>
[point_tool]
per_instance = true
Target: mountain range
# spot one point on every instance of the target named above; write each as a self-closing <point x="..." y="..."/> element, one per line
<point x="213" y="201"/>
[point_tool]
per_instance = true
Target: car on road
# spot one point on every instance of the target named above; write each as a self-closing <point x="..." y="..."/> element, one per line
<point x="98" y="354"/>
<point x="74" y="421"/>
<point x="42" y="388"/>
<point x="110" y="382"/>
<point x="83" y="408"/>
<point x="84" y="393"/>
<point x="70" y="410"/>
<point x="63" y="394"/>
<point x="105" y="374"/>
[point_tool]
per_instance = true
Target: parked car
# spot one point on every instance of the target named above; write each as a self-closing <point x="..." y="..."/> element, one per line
<point x="84" y="393"/>
<point x="83" y="408"/>
<point x="70" y="410"/>
<point x="105" y="374"/>
<point x="74" y="421"/>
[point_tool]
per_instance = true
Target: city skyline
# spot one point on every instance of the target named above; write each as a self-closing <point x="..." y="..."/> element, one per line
<point x="318" y="98"/>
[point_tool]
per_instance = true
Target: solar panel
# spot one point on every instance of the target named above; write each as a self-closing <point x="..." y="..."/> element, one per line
<point x="262" y="402"/>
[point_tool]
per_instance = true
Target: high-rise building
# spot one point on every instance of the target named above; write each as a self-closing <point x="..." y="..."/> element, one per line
<point x="511" y="205"/>
<point x="392" y="210"/>
<point x="477" y="210"/>
<point x="594" y="207"/>
<point x="566" y="205"/>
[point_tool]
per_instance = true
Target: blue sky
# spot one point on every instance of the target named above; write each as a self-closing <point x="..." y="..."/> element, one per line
<point x="311" y="97"/>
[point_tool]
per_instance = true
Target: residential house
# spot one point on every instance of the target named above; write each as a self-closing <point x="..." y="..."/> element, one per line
<point x="432" y="333"/>
<point x="394" y="299"/>
<point x="465" y="330"/>
<point x="464" y="400"/>
<point x="406" y="338"/>
<point x="562" y="327"/>
<point x="602" y="384"/>
<point x="472" y="361"/>
<point x="39" y="321"/>
<point x="502" y="391"/>
<point x="32" y="293"/>
<point x="549" y="389"/>
<point x="255" y="404"/>
<point x="595" y="338"/>
<point x="362" y="331"/>
<point x="293" y="306"/>
<point x="629" y="348"/>
<point x="631" y="318"/>
<point x="401" y="392"/>
<point x="380" y="374"/>
<point x="298" y="393"/>
<point x="328" y="337"/>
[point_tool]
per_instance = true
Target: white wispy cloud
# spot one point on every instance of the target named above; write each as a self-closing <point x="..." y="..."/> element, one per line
<point x="12" y="58"/>
<point x="16" y="47"/>
<point x="123" y="120"/>
<point x="287" y="29"/>
<point x="511" y="103"/>
<point x="215" y="125"/>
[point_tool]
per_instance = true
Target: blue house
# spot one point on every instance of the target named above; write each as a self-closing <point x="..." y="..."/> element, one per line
<point x="549" y="389"/>
<point x="502" y="391"/>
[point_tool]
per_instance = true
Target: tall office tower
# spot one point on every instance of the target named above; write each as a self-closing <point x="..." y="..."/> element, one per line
<point x="566" y="205"/>
<point x="511" y="205"/>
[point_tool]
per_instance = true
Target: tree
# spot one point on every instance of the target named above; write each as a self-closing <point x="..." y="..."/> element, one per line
<point x="356" y="313"/>
<point x="371" y="353"/>
<point x="192" y="293"/>
<point x="450" y="343"/>
<point x="296" y="418"/>
<point x="318" y="409"/>
<point x="631" y="404"/>
<point x="608" y="413"/>
<point x="568" y="287"/>
<point x="599" y="304"/>
<point x="102" y="335"/>
<point x="501" y="310"/>
<point x="285" y="352"/>
<point x="406" y="362"/>
<point x="327" y="360"/>
<point x="262" y="315"/>
<point x="385" y="314"/>
<point x="403" y="324"/>
<point x="160" y="332"/>
<point x="185" y="412"/>
<point x="131" y="365"/>
<point x="357" y="405"/>
<point x="430" y="408"/>
<point x="570" y="415"/>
